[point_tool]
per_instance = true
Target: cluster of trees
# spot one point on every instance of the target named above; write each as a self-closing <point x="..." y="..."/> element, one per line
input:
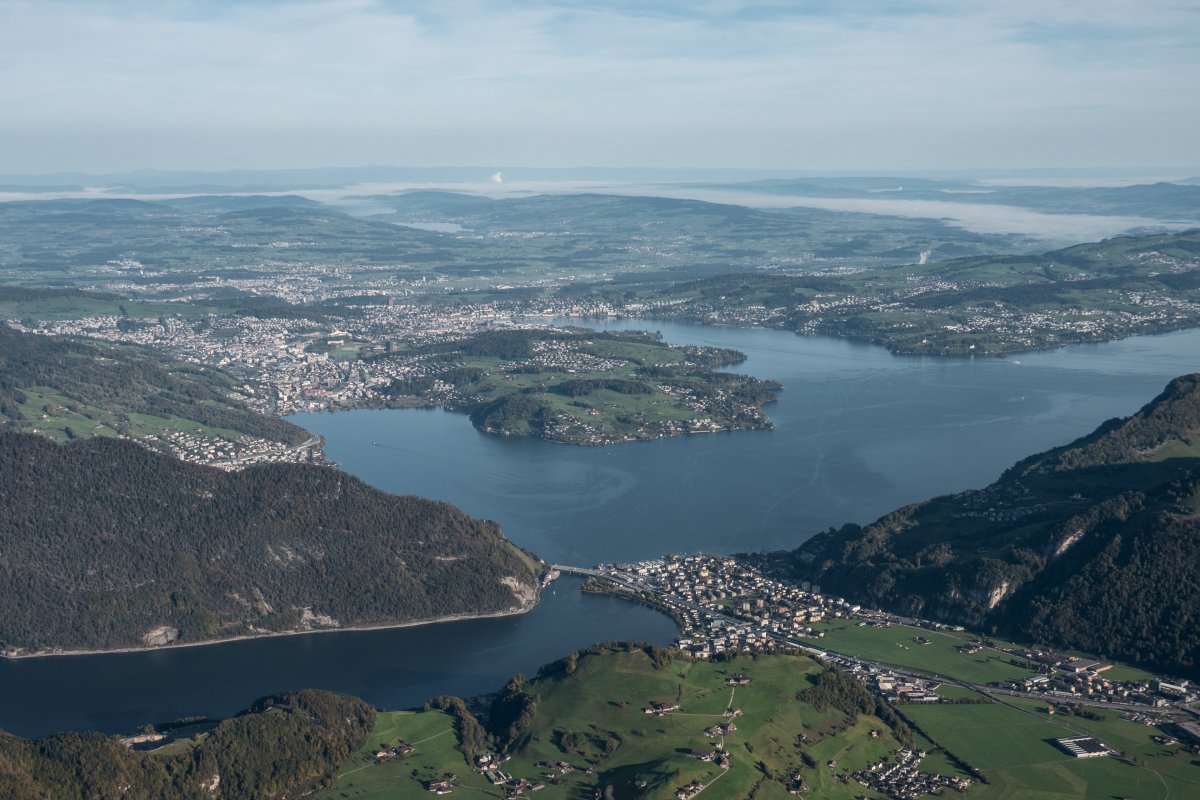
<point x="126" y="380"/>
<point x="660" y="657"/>
<point x="514" y="414"/>
<point x="578" y="387"/>
<point x="102" y="540"/>
<point x="843" y="691"/>
<point x="1103" y="562"/>
<point x="283" y="746"/>
<point x="420" y="385"/>
<point x="27" y="294"/>
<point x="473" y="738"/>
<point x="511" y="715"/>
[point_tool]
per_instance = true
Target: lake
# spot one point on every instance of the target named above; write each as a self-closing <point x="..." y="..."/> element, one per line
<point x="390" y="668"/>
<point x="858" y="432"/>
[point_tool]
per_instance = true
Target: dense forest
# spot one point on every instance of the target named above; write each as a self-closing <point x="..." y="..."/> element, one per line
<point x="1092" y="546"/>
<point x="104" y="544"/>
<point x="88" y="378"/>
<point x="283" y="746"/>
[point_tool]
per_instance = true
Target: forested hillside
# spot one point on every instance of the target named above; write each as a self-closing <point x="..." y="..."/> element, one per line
<point x="284" y="746"/>
<point x="74" y="389"/>
<point x="104" y="544"/>
<point x="1093" y="545"/>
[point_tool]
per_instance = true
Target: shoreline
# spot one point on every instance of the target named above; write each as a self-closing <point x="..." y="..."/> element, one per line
<point x="511" y="612"/>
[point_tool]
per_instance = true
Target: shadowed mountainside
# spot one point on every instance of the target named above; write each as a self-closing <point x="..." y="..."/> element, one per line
<point x="104" y="544"/>
<point x="1093" y="545"/>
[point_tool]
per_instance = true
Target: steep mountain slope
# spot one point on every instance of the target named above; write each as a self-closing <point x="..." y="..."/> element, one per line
<point x="104" y="544"/>
<point x="1094" y="545"/>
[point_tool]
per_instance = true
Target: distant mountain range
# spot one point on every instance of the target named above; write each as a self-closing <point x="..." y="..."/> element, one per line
<point x="1094" y="545"/>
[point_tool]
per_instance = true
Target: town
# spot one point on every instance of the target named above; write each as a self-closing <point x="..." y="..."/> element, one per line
<point x="398" y="355"/>
<point x="726" y="607"/>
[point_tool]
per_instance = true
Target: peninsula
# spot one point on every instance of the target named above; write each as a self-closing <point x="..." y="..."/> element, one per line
<point x="981" y="305"/>
<point x="580" y="386"/>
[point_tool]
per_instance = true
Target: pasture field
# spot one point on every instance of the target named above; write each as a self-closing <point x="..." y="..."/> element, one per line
<point x="1012" y="745"/>
<point x="898" y="645"/>
<point x="593" y="720"/>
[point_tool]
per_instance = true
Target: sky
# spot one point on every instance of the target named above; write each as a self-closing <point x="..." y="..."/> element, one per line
<point x="832" y="85"/>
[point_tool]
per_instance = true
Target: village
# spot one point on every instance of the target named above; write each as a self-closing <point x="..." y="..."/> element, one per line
<point x="727" y="606"/>
<point x="902" y="779"/>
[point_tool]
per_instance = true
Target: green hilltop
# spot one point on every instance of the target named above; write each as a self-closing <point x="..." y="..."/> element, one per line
<point x="587" y="710"/>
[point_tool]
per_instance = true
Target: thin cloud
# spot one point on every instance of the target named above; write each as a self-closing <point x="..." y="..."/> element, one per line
<point x="1011" y="84"/>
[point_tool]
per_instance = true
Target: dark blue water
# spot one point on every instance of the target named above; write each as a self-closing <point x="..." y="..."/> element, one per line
<point x="397" y="668"/>
<point x="858" y="433"/>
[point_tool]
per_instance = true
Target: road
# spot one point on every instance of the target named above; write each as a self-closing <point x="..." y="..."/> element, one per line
<point x="632" y="583"/>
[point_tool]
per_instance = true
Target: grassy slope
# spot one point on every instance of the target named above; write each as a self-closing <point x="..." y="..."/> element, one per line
<point x="654" y="749"/>
<point x="51" y="384"/>
<point x="1010" y="742"/>
<point x="895" y="645"/>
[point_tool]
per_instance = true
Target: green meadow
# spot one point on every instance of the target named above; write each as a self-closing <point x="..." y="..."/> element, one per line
<point x="898" y="645"/>
<point x="1012" y="746"/>
<point x="593" y="719"/>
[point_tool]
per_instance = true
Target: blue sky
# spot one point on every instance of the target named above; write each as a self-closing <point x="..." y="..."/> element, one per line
<point x="859" y="86"/>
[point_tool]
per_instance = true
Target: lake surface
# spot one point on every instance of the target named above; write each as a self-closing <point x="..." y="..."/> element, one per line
<point x="858" y="432"/>
<point x="391" y="668"/>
